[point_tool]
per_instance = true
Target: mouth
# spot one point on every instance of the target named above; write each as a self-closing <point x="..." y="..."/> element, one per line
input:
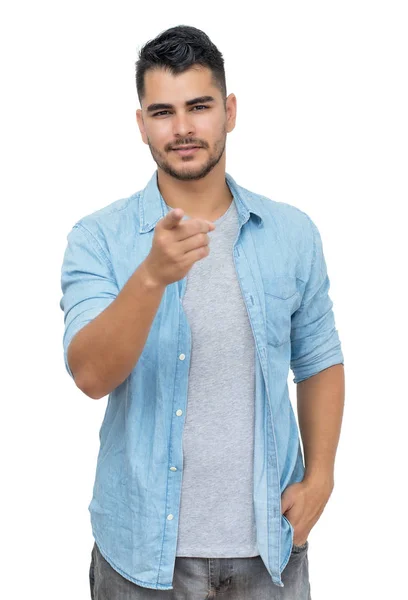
<point x="186" y="150"/>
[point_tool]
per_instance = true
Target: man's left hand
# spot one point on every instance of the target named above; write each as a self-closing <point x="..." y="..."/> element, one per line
<point x="302" y="504"/>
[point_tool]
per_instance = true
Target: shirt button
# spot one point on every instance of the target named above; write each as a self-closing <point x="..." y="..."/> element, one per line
<point x="182" y="356"/>
<point x="179" y="412"/>
<point x="173" y="469"/>
<point x="170" y="517"/>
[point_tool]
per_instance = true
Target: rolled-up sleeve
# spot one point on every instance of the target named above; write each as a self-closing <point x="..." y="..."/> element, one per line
<point x="87" y="283"/>
<point x="315" y="343"/>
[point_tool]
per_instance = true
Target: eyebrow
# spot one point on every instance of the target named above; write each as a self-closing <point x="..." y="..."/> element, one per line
<point x="199" y="100"/>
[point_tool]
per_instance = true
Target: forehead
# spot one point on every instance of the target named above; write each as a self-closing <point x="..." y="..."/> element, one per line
<point x="162" y="86"/>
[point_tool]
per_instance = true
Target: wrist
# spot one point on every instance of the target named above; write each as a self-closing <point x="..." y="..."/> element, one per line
<point x="149" y="280"/>
<point x="320" y="481"/>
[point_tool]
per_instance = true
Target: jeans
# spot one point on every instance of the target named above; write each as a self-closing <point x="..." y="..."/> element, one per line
<point x="204" y="578"/>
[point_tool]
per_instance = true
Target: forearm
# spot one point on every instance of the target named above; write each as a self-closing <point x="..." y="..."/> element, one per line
<point x="106" y="350"/>
<point x="320" y="404"/>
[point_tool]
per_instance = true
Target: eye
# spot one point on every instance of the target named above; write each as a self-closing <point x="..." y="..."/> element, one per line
<point x="162" y="112"/>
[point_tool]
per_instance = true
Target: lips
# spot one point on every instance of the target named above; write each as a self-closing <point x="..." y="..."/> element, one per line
<point x="186" y="150"/>
<point x="185" y="147"/>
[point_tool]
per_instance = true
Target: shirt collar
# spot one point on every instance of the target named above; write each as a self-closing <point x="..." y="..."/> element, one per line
<point x="152" y="207"/>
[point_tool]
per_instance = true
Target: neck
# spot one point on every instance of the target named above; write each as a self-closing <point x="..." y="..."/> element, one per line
<point x="207" y="198"/>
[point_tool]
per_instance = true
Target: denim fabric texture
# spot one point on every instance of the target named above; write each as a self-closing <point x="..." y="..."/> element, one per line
<point x="205" y="578"/>
<point x="281" y="269"/>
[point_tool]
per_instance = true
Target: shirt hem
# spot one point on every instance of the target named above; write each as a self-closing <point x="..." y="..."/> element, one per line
<point x="192" y="553"/>
<point x="144" y="584"/>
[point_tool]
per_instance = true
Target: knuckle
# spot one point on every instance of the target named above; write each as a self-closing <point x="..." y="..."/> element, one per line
<point x="201" y="226"/>
<point x="160" y="239"/>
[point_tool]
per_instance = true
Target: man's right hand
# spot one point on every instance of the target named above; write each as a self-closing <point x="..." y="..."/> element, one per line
<point x="176" y="246"/>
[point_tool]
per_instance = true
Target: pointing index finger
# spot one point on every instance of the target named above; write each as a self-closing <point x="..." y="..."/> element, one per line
<point x="173" y="218"/>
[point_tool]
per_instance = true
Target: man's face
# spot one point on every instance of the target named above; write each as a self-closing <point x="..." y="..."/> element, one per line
<point x="203" y="123"/>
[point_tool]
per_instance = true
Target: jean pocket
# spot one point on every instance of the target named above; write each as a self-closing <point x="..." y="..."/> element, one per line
<point x="281" y="300"/>
<point x="295" y="549"/>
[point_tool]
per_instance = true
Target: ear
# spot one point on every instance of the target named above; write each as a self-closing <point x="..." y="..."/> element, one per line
<point x="231" y="109"/>
<point x="139" y="120"/>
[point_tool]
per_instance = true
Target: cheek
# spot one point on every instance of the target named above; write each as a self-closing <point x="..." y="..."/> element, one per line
<point x="215" y="127"/>
<point x="160" y="136"/>
<point x="209" y="130"/>
<point x="211" y="123"/>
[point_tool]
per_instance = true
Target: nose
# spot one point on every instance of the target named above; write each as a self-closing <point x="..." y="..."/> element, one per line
<point x="183" y="126"/>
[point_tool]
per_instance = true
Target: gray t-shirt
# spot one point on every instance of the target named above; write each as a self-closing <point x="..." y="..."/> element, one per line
<point x="217" y="517"/>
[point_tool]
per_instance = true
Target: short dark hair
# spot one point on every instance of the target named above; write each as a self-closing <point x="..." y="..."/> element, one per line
<point x="177" y="49"/>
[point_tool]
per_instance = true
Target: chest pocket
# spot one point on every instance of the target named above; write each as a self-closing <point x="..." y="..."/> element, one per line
<point x="281" y="300"/>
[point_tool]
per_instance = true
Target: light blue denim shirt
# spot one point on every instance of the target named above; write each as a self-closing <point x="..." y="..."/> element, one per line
<point x="281" y="269"/>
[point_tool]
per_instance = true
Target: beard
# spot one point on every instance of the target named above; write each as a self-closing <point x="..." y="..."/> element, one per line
<point x="186" y="172"/>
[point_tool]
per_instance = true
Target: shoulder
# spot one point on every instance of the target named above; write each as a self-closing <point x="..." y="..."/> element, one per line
<point x="286" y="217"/>
<point x="117" y="220"/>
<point x="114" y="213"/>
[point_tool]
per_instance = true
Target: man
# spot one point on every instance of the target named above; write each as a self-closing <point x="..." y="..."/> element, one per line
<point x="187" y="303"/>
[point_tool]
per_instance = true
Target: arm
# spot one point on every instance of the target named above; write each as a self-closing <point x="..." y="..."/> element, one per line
<point x="320" y="403"/>
<point x="104" y="352"/>
<point x="320" y="408"/>
<point x="318" y="365"/>
<point x="105" y="328"/>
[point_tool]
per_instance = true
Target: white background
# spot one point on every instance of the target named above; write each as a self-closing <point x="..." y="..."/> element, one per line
<point x="322" y="124"/>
